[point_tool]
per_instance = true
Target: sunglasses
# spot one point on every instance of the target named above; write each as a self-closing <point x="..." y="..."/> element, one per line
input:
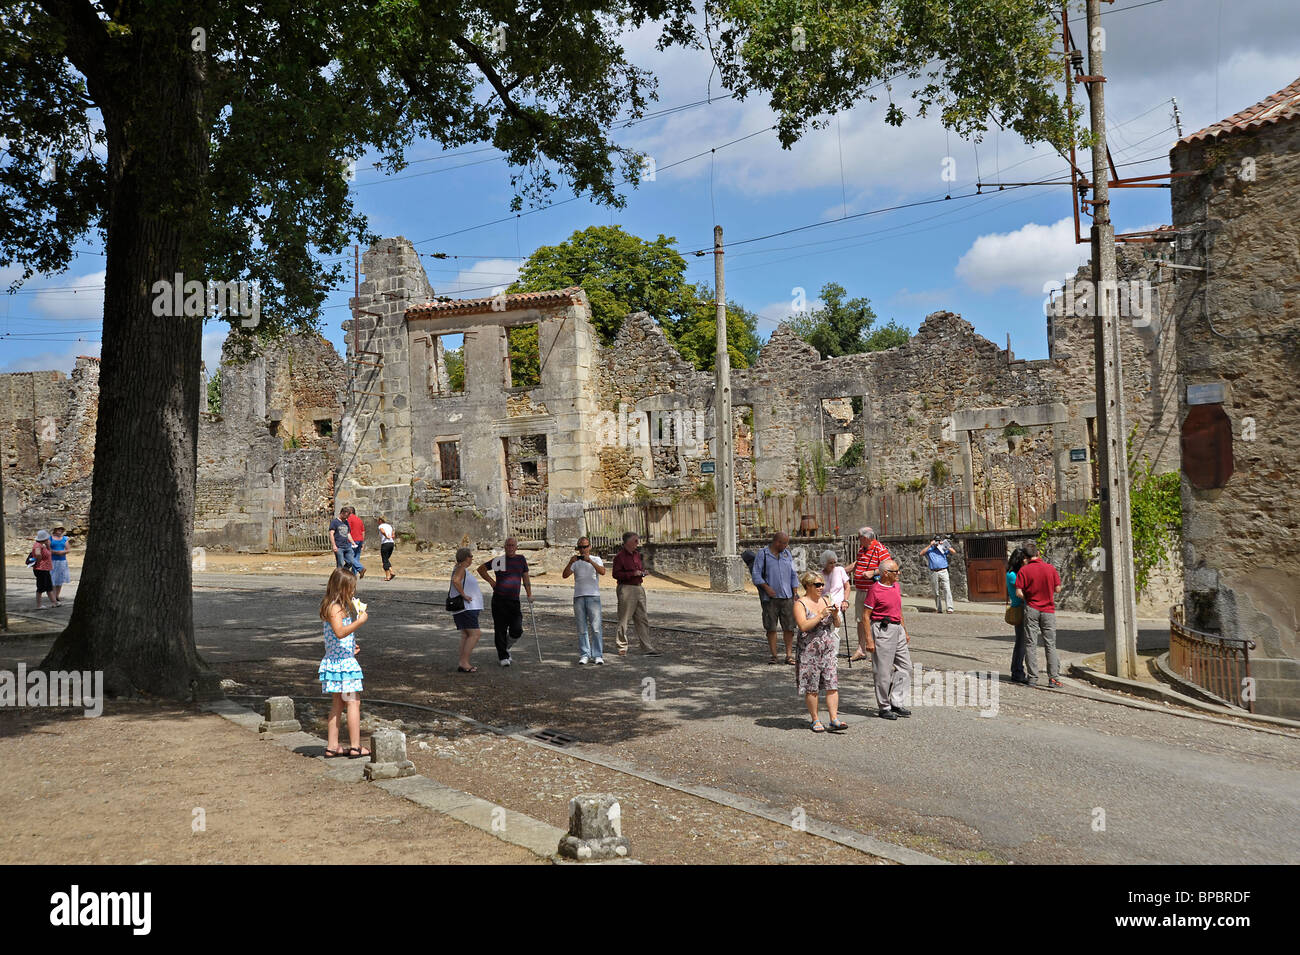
<point x="818" y="583"/>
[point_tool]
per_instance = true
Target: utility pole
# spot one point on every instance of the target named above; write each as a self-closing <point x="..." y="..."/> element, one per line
<point x="726" y="570"/>
<point x="1118" y="590"/>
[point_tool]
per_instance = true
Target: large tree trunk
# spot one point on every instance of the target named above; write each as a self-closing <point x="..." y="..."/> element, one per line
<point x="133" y="616"/>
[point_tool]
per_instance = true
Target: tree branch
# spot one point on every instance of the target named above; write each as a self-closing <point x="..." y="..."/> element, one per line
<point x="503" y="89"/>
<point x="87" y="36"/>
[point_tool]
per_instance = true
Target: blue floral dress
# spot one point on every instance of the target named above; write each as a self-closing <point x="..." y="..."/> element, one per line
<point x="339" y="671"/>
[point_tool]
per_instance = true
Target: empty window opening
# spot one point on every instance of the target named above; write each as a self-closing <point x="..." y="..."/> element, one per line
<point x="449" y="460"/>
<point x="523" y="360"/>
<point x="447" y="364"/>
<point x="324" y="427"/>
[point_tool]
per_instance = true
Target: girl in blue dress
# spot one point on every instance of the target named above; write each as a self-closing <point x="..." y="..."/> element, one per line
<point x="339" y="673"/>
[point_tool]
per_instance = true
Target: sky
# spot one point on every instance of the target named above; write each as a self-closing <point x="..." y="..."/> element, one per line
<point x="986" y="257"/>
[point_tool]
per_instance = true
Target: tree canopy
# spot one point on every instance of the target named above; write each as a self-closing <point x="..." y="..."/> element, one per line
<point x="623" y="273"/>
<point x="842" y="327"/>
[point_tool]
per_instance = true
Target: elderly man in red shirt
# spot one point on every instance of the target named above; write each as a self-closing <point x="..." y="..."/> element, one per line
<point x="630" y="572"/>
<point x="871" y="553"/>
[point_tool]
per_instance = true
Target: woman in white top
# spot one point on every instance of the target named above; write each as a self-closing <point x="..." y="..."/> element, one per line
<point x="837" y="581"/>
<point x="386" y="544"/>
<point x="466" y="620"/>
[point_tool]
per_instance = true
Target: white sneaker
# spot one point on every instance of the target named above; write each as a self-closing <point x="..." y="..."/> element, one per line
<point x="583" y="661"/>
<point x="600" y="661"/>
<point x="950" y="610"/>
<point x="506" y="662"/>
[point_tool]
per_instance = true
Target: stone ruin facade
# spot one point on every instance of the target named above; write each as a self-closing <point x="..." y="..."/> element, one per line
<point x="948" y="408"/>
<point x="270" y="449"/>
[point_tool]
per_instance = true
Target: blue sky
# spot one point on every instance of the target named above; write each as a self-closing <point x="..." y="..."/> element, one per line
<point x="986" y="258"/>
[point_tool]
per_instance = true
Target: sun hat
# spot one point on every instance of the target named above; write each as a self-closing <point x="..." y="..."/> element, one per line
<point x="57" y="527"/>
<point x="42" y="535"/>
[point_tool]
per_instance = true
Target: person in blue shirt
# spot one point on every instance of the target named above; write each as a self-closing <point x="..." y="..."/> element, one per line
<point x="937" y="555"/>
<point x="1016" y="609"/>
<point x="774" y="575"/>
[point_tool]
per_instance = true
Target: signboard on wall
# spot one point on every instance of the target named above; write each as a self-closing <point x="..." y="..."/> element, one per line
<point x="706" y="467"/>
<point x="1078" y="454"/>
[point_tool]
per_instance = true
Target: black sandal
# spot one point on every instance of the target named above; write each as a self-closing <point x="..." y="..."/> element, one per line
<point x="461" y="669"/>
<point x="354" y="752"/>
<point x="335" y="754"/>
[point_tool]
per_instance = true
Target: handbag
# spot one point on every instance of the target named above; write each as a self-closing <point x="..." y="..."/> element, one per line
<point x="455" y="602"/>
<point x="1015" y="615"/>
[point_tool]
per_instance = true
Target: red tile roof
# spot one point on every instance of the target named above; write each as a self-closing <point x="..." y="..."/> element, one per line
<point x="88" y="357"/>
<point x="1282" y="105"/>
<point x="468" y="306"/>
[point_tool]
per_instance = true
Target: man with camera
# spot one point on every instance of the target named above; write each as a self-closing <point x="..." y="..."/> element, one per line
<point x="937" y="554"/>
<point x="586" y="569"/>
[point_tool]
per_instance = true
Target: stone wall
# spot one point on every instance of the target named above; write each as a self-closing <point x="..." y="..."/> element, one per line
<point x="1240" y="329"/>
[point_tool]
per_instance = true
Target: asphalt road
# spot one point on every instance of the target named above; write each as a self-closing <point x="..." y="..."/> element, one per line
<point x="1050" y="776"/>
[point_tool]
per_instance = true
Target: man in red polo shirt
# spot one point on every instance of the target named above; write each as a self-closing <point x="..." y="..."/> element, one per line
<point x="1037" y="584"/>
<point x="866" y="570"/>
<point x="357" y="528"/>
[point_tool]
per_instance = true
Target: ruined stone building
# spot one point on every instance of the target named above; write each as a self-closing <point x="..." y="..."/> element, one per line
<point x="271" y="447"/>
<point x="948" y="408"/>
<point x="1238" y="251"/>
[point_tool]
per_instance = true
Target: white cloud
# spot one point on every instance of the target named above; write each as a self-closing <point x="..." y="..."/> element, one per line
<point x="1024" y="259"/>
<point x="478" y="281"/>
<point x="79" y="298"/>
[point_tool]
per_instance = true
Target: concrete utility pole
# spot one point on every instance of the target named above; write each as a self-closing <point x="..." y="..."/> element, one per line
<point x="726" y="570"/>
<point x="1118" y="588"/>
<point x="4" y="610"/>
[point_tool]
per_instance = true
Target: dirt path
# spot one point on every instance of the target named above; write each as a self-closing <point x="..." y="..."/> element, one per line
<point x="122" y="789"/>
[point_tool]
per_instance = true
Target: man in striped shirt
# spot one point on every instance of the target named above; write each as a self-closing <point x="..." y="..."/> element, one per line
<point x="866" y="570"/>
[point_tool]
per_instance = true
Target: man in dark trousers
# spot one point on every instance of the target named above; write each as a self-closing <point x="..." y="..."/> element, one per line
<point x="1037" y="584"/>
<point x="629" y="571"/>
<point x="507" y="613"/>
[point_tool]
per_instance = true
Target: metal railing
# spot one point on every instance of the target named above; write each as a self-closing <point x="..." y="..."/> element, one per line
<point x="298" y="531"/>
<point x="1218" y="664"/>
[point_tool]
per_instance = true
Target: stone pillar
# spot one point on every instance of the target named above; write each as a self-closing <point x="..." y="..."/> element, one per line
<point x="595" y="829"/>
<point x="279" y="717"/>
<point x="388" y="756"/>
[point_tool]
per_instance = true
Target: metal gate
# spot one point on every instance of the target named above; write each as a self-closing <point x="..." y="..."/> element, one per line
<point x="526" y="517"/>
<point x="300" y="531"/>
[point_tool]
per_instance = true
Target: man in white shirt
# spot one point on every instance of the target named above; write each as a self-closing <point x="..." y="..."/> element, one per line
<point x="586" y="569"/>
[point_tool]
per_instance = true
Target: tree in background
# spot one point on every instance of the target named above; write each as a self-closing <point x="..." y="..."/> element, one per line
<point x="620" y="272"/>
<point x="842" y="327"/>
<point x="214" y="394"/>
<point x="696" y="334"/>
<point x="212" y="140"/>
<point x="623" y="273"/>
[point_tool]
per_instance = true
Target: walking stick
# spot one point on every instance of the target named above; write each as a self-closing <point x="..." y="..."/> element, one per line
<point x="533" y="614"/>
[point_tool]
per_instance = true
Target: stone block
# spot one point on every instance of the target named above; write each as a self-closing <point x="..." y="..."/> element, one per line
<point x="595" y="816"/>
<point x="727" y="574"/>
<point x="388" y="746"/>
<point x="595" y="829"/>
<point x="394" y="770"/>
<point x="279" y="717"/>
